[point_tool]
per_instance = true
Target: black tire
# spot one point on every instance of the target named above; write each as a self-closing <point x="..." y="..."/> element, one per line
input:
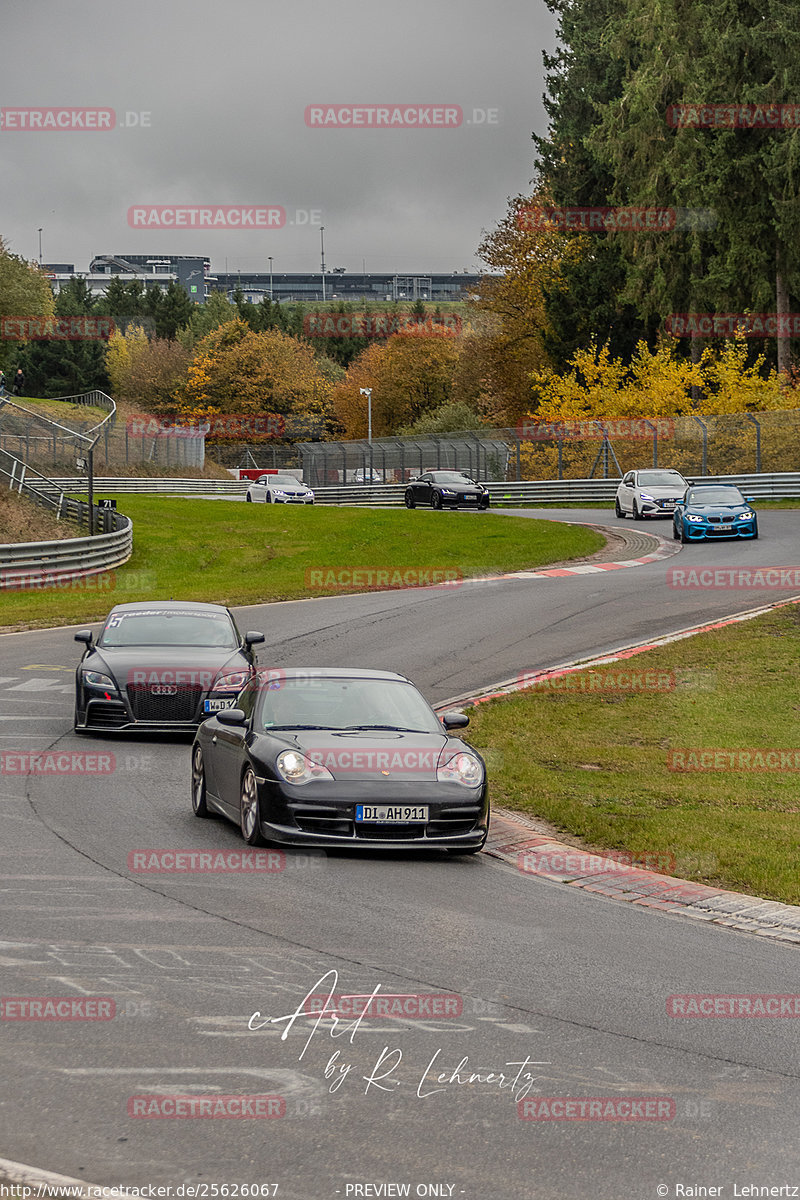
<point x="268" y="498"/>
<point x="755" y="533"/>
<point x="436" y="501"/>
<point x="676" y="537"/>
<point x="249" y="498"/>
<point x="619" y="510"/>
<point x="199" y="806"/>
<point x="637" y="516"/>
<point x="683" y="539"/>
<point x="248" y="809"/>
<point x="410" y="501"/>
<point x="483" y="507"/>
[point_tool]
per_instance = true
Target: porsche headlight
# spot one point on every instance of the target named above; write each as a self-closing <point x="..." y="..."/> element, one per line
<point x="99" y="680"/>
<point x="461" y="768"/>
<point x="296" y="767"/>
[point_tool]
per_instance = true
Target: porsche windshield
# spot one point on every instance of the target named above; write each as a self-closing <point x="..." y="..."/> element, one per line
<point x="149" y="627"/>
<point x="324" y="703"/>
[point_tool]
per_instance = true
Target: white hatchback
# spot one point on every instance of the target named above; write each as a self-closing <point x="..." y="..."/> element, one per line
<point x="651" y="493"/>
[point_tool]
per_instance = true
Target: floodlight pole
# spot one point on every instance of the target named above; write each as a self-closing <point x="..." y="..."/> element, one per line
<point x="368" y="393"/>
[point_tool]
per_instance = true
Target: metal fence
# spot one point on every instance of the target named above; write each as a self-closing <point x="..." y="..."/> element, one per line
<point x="55" y="445"/>
<point x="582" y="449"/>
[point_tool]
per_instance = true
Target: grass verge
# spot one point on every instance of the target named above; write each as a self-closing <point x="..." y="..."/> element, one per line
<point x="235" y="553"/>
<point x="595" y="763"/>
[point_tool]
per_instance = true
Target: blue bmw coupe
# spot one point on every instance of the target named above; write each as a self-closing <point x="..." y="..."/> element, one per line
<point x="713" y="511"/>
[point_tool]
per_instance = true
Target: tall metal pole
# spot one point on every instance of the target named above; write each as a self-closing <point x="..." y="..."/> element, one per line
<point x="368" y="393"/>
<point x="40" y="246"/>
<point x="322" y="247"/>
<point x="270" y="277"/>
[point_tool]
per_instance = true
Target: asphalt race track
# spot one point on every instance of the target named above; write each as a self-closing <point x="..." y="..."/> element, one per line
<point x="570" y="987"/>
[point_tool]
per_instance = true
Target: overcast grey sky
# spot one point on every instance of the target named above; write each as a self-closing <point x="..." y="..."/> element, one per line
<point x="226" y="85"/>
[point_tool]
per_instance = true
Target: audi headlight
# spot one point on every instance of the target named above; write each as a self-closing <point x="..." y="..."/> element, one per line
<point x="98" y="680"/>
<point x="232" y="682"/>
<point x="699" y="520"/>
<point x="447" y="492"/>
<point x="461" y="768"/>
<point x="746" y="516"/>
<point x="296" y="767"/>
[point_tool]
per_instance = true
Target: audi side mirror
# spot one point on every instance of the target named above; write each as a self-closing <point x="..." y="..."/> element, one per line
<point x="85" y="636"/>
<point x="253" y="638"/>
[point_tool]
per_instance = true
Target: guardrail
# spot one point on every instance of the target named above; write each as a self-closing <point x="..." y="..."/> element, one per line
<point x="31" y="564"/>
<point x="155" y="485"/>
<point x="784" y="485"/>
<point x="34" y="565"/>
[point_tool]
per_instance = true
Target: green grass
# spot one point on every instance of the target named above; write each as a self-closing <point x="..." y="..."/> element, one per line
<point x="234" y="553"/>
<point x="595" y="766"/>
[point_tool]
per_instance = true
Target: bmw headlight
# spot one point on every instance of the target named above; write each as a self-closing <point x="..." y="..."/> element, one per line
<point x="278" y="492"/>
<point x="463" y="768"/>
<point x="98" y="680"/>
<point x="746" y="516"/>
<point x="296" y="767"/>
<point x="699" y="520"/>
<point x="234" y="681"/>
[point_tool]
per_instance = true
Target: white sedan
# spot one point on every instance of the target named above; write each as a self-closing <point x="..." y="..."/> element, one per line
<point x="279" y="489"/>
<point x="652" y="493"/>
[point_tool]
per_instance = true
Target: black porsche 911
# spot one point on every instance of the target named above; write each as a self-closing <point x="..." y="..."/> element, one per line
<point x="331" y="757"/>
<point x="161" y="665"/>
<point x="446" y="489"/>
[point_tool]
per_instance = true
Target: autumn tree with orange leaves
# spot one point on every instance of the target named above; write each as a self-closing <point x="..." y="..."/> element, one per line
<point x="411" y="374"/>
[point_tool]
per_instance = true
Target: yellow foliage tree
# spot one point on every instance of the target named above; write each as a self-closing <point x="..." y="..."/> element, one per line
<point x="122" y="351"/>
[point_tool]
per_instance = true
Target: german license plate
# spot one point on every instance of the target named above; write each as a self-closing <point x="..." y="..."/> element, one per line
<point x="380" y="814"/>
<point x="211" y="706"/>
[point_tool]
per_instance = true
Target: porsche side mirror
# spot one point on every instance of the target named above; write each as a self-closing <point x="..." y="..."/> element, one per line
<point x="231" y="716"/>
<point x="455" y="720"/>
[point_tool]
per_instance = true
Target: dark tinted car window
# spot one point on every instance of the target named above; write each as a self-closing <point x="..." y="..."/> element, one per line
<point x="181" y="627"/>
